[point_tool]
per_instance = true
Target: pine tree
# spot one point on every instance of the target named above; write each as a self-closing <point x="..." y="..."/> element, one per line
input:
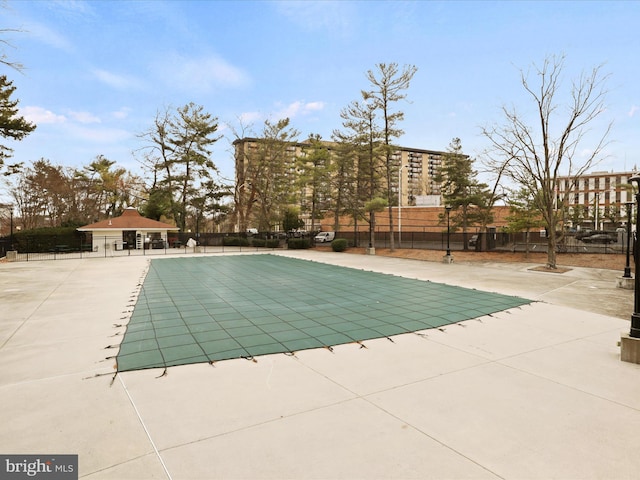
<point x="461" y="189"/>
<point x="359" y="152"/>
<point x="388" y="84"/>
<point x="179" y="152"/>
<point x="12" y="126"/>
<point x="314" y="171"/>
<point x="524" y="214"/>
<point x="266" y="167"/>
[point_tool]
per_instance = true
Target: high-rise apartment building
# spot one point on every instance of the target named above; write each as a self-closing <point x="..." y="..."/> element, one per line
<point x="417" y="167"/>
<point x="414" y="173"/>
<point x="418" y="171"/>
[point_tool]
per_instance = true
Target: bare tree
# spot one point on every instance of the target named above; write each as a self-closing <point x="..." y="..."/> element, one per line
<point x="4" y="44"/>
<point x="534" y="156"/>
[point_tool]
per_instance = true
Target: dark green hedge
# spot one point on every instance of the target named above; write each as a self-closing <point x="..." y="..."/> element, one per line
<point x="261" y="242"/>
<point x="235" y="241"/>
<point x="42" y="240"/>
<point x="299" y="243"/>
<point x="339" y="244"/>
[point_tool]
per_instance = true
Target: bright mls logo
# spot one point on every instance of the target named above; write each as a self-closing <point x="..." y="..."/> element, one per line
<point x="49" y="467"/>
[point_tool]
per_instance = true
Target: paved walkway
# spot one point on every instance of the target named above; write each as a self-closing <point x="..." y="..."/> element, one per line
<point x="539" y="392"/>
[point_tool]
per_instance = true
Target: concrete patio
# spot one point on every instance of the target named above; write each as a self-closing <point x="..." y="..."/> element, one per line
<point x="535" y="392"/>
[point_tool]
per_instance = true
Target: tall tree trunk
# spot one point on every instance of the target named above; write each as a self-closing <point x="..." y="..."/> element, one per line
<point x="390" y="209"/>
<point x="551" y="238"/>
<point x="372" y="228"/>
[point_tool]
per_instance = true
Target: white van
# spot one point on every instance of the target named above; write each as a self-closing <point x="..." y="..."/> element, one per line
<point x="323" y="237"/>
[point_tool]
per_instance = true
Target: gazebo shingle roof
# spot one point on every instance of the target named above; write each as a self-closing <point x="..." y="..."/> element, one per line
<point x="129" y="220"/>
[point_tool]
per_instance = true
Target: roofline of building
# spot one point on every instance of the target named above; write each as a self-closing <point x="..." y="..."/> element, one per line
<point x="598" y="174"/>
<point x="112" y="229"/>
<point x="330" y="143"/>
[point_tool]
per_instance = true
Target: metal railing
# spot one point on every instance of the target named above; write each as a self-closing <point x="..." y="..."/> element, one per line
<point x="53" y="248"/>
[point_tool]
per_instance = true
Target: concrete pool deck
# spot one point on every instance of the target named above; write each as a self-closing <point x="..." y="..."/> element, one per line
<point x="535" y="392"/>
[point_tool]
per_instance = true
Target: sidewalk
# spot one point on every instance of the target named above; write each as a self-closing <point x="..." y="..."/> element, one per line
<point x="535" y="392"/>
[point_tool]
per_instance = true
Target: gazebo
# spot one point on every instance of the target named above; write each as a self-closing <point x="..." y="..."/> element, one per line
<point x="128" y="231"/>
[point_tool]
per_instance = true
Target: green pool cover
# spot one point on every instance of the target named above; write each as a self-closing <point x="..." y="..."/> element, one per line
<point x="205" y="309"/>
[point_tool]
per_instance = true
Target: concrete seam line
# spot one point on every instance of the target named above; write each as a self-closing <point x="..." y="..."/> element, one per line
<point x="30" y="315"/>
<point x="135" y="408"/>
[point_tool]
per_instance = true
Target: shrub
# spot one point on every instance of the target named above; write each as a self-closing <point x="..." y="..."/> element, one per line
<point x="299" y="243"/>
<point x="235" y="241"/>
<point x="45" y="239"/>
<point x="273" y="243"/>
<point x="258" y="242"/>
<point x="339" y="245"/>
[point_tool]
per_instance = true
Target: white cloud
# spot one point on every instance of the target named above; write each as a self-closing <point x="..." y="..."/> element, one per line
<point x="122" y="113"/>
<point x="114" y="80"/>
<point x="99" y="135"/>
<point x="201" y="74"/>
<point x="39" y="115"/>
<point x="222" y="128"/>
<point x="289" y="111"/>
<point x="247" y="118"/>
<point x="76" y="8"/>
<point x="334" y="17"/>
<point x="48" y="36"/>
<point x="298" y="108"/>
<point x="633" y="110"/>
<point x="314" y="106"/>
<point x="84" y="117"/>
<point x="585" y="153"/>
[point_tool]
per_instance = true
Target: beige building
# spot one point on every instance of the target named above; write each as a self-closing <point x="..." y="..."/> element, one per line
<point x="128" y="231"/>
<point x="602" y="195"/>
<point x="418" y="169"/>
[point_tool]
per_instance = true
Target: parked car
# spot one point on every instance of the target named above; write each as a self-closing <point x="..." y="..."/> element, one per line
<point x="473" y="240"/>
<point x="586" y="232"/>
<point x="323" y="237"/>
<point x="600" y="238"/>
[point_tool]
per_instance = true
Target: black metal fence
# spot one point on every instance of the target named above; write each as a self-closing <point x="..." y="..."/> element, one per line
<point x="488" y="241"/>
<point x="5" y="246"/>
<point x="52" y="248"/>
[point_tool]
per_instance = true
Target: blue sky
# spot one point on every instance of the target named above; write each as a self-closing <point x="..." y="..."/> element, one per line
<point x="96" y="73"/>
